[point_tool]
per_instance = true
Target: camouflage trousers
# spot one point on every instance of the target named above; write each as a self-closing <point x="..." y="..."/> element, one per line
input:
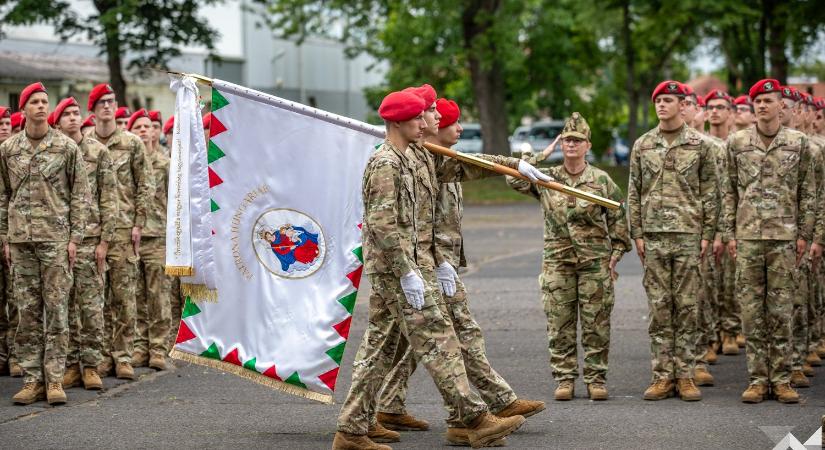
<point x="816" y="309"/>
<point x="492" y="388"/>
<point x="154" y="311"/>
<point x="672" y="281"/>
<point x="42" y="281"/>
<point x="765" y="287"/>
<point x="729" y="311"/>
<point x="11" y="313"/>
<point x="431" y="336"/>
<point x="86" y="307"/>
<point x="707" y="307"/>
<point x="571" y="292"/>
<point x="123" y="269"/>
<point x="4" y="317"/>
<point x="800" y="331"/>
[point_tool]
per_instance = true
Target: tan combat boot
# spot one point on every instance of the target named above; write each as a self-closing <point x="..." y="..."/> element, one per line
<point x="808" y="370"/>
<point x="687" y="390"/>
<point x="30" y="393"/>
<point x="91" y="380"/>
<point x="139" y="359"/>
<point x="755" y="393"/>
<point x="702" y="375"/>
<point x="106" y="366"/>
<point x="813" y="359"/>
<point x="380" y="434"/>
<point x="729" y="346"/>
<point x="597" y="391"/>
<point x="659" y="390"/>
<point x="55" y="394"/>
<point x="820" y="349"/>
<point x="15" y="370"/>
<point x="489" y="428"/>
<point x="799" y="380"/>
<point x="157" y="362"/>
<point x="71" y="377"/>
<point x="459" y="437"/>
<point x="784" y="393"/>
<point x="740" y="340"/>
<point x="401" y="422"/>
<point x="125" y="371"/>
<point x="347" y="441"/>
<point x="565" y="390"/>
<point x="710" y="355"/>
<point x="520" y="407"/>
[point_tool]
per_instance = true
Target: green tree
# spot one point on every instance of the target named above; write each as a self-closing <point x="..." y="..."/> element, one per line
<point x="150" y="31"/>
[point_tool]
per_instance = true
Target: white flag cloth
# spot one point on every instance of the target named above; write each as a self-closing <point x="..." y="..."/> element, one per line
<point x="285" y="184"/>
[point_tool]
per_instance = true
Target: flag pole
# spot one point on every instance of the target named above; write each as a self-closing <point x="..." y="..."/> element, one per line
<point x="199" y="78"/>
<point x="504" y="170"/>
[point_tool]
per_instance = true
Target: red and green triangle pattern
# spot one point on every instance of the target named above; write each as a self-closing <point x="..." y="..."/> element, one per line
<point x="214" y="153"/>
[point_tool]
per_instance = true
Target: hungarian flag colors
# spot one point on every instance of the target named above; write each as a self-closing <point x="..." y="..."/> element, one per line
<point x="284" y="190"/>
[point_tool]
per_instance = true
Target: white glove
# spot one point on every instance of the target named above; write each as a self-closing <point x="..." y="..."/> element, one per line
<point x="413" y="287"/>
<point x="447" y="278"/>
<point x="531" y="172"/>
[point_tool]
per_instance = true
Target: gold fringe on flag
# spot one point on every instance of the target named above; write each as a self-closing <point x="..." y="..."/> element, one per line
<point x="180" y="271"/>
<point x="252" y="375"/>
<point x="199" y="292"/>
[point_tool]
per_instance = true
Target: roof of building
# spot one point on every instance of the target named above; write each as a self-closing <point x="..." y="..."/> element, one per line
<point x="56" y="67"/>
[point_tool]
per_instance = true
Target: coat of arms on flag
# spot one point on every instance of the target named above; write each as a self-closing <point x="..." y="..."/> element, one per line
<point x="283" y="184"/>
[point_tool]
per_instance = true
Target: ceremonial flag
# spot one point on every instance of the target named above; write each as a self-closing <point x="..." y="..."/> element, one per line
<point x="285" y="199"/>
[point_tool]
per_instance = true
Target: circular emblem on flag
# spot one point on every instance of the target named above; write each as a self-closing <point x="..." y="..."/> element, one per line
<point x="289" y="243"/>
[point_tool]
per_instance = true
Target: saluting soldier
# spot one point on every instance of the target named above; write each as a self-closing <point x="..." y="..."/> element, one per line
<point x="583" y="242"/>
<point x="673" y="205"/>
<point x="44" y="201"/>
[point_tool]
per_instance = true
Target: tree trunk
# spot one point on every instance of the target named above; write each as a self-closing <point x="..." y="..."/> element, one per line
<point x="630" y="81"/>
<point x="777" y="37"/>
<point x="486" y="74"/>
<point x="113" y="53"/>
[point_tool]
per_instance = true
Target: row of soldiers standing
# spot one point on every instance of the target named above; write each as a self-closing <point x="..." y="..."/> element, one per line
<point x="83" y="225"/>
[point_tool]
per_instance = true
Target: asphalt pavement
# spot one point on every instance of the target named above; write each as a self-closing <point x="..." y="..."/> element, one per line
<point x="195" y="407"/>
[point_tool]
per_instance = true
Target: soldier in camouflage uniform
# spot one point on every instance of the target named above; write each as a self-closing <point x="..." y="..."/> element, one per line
<point x="439" y="247"/>
<point x="817" y="320"/>
<point x="134" y="195"/>
<point x="154" y="314"/>
<point x="86" y="300"/>
<point x="400" y="295"/>
<point x="769" y="218"/>
<point x="673" y="207"/>
<point x="5" y="133"/>
<point x="44" y="201"/>
<point x="583" y="242"/>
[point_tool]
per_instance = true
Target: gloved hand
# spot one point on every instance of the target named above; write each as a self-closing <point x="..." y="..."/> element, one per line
<point x="413" y="287"/>
<point x="531" y="172"/>
<point x="447" y="278"/>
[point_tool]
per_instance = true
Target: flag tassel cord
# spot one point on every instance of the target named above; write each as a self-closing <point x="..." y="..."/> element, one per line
<point x="200" y="78"/>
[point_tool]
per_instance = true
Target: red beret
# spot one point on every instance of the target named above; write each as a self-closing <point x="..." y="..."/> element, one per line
<point x="669" y="87"/>
<point x="170" y="123"/>
<point x="742" y="100"/>
<point x="58" y="110"/>
<point x="425" y="91"/>
<point x="688" y="89"/>
<point x="18" y="120"/>
<point x="98" y="91"/>
<point x="89" y="122"/>
<point x="807" y="98"/>
<point x="137" y="115"/>
<point x="4" y="111"/>
<point x="718" y="94"/>
<point x="819" y="102"/>
<point x="700" y="101"/>
<point x="154" y="116"/>
<point x="28" y="91"/>
<point x="449" y="112"/>
<point x="207" y="120"/>
<point x="790" y="93"/>
<point x="401" y="106"/>
<point x="763" y="87"/>
<point x="122" y="113"/>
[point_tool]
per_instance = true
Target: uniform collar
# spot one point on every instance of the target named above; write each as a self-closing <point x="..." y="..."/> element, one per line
<point x="681" y="138"/>
<point x="780" y="139"/>
<point x="45" y="143"/>
<point x="585" y="177"/>
<point x="113" y="139"/>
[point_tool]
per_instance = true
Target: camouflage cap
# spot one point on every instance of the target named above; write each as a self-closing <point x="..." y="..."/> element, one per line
<point x="576" y="127"/>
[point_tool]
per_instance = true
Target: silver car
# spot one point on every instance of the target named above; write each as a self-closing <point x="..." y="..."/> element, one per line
<point x="470" y="139"/>
<point x="542" y="134"/>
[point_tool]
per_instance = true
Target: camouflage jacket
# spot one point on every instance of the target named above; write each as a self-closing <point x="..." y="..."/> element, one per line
<point x="572" y="225"/>
<point x="720" y="152"/>
<point x="102" y="189"/>
<point x="389" y="233"/>
<point x="672" y="187"/>
<point x="449" y="208"/>
<point x="44" y="193"/>
<point x="817" y="145"/>
<point x="156" y="215"/>
<point x="771" y="191"/>
<point x="431" y="171"/>
<point x="134" y="177"/>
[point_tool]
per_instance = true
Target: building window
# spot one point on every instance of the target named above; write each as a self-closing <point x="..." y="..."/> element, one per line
<point x="14" y="98"/>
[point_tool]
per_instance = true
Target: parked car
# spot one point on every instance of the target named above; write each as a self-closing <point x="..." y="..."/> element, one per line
<point x="542" y="134"/>
<point x="518" y="142"/>
<point x="470" y="139"/>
